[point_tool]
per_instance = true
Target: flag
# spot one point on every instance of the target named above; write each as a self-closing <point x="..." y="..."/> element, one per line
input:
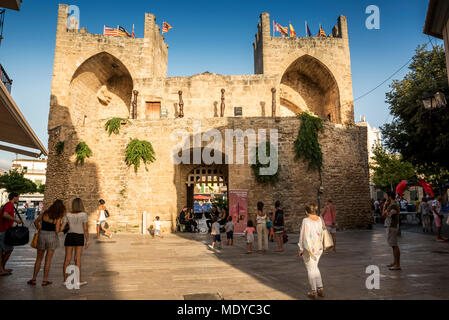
<point x="321" y="33"/>
<point x="166" y="27"/>
<point x="134" y="35"/>
<point x="283" y="30"/>
<point x="122" y="32"/>
<point x="292" y="31"/>
<point x="109" y="31"/>
<point x="308" y="32"/>
<point x="276" y="27"/>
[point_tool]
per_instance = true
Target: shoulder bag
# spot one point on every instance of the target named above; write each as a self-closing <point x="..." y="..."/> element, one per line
<point x="18" y="235"/>
<point x="106" y="213"/>
<point x="327" y="238"/>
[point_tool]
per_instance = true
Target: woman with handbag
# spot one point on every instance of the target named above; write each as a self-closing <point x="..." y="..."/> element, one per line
<point x="261" y="228"/>
<point x="102" y="215"/>
<point x="278" y="226"/>
<point x="76" y="238"/>
<point x="47" y="239"/>
<point x="311" y="248"/>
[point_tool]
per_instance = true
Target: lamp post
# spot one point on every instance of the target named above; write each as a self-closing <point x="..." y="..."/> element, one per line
<point x="433" y="101"/>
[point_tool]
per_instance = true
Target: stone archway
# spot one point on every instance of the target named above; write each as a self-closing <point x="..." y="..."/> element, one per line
<point x="307" y="84"/>
<point x="100" y="88"/>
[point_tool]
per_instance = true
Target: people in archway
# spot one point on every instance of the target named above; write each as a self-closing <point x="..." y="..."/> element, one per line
<point x="76" y="238"/>
<point x="391" y="215"/>
<point x="101" y="220"/>
<point x="437" y="216"/>
<point x="48" y="239"/>
<point x="311" y="248"/>
<point x="425" y="211"/>
<point x="330" y="220"/>
<point x="261" y="228"/>
<point x="210" y="217"/>
<point x="190" y="220"/>
<point x="278" y="226"/>
<point x="182" y="217"/>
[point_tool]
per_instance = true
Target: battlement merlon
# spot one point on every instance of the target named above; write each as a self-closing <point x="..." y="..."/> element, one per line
<point x="151" y="29"/>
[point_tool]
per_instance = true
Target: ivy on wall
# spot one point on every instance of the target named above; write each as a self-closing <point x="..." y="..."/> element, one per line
<point x="138" y="150"/>
<point x="59" y="147"/>
<point x="306" y="145"/>
<point x="265" y="179"/>
<point x="113" y="125"/>
<point x="82" y="152"/>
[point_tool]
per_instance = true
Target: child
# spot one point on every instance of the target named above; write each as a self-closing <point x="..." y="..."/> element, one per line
<point x="157" y="229"/>
<point x="249" y="236"/>
<point x="230" y="231"/>
<point x="216" y="233"/>
<point x="270" y="227"/>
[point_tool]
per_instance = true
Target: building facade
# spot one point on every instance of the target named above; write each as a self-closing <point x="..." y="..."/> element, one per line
<point x="34" y="170"/>
<point x="97" y="77"/>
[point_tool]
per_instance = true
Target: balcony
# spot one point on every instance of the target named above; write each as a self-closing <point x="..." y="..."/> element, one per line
<point x="5" y="79"/>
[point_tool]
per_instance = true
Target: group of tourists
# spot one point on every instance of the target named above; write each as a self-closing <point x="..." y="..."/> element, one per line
<point x="49" y="225"/>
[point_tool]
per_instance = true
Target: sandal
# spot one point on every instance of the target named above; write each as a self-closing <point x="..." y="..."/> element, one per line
<point x="312" y="295"/>
<point x="321" y="292"/>
<point x="46" y="283"/>
<point x="395" y="268"/>
<point x="32" y="282"/>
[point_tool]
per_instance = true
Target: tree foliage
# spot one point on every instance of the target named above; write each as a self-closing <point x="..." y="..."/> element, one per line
<point x="14" y="181"/>
<point x="306" y="145"/>
<point x="137" y="150"/>
<point x="419" y="135"/>
<point x="59" y="147"/>
<point x="390" y="169"/>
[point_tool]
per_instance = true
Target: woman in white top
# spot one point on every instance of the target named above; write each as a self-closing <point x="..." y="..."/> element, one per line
<point x="101" y="220"/>
<point x="76" y="238"/>
<point x="311" y="247"/>
<point x="261" y="228"/>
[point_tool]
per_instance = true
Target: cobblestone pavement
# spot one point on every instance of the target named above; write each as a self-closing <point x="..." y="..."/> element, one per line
<point x="181" y="266"/>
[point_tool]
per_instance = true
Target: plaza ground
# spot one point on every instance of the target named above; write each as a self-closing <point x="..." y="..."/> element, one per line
<point x="181" y="266"/>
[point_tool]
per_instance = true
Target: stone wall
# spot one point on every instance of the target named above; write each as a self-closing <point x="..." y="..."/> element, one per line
<point x="162" y="190"/>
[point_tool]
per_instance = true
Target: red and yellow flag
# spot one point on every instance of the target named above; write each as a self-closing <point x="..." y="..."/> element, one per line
<point x="166" y="27"/>
<point x="283" y="30"/>
<point x="321" y="33"/>
<point x="292" y="31"/>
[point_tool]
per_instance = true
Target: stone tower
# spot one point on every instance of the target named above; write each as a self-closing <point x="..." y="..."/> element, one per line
<point x="314" y="72"/>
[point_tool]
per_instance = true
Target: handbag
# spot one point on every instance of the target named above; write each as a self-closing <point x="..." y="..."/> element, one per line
<point x="327" y="238"/>
<point x="18" y="235"/>
<point x="106" y="213"/>
<point x="33" y="243"/>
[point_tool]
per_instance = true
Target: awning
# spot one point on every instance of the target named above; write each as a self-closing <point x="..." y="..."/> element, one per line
<point x="14" y="129"/>
<point x="437" y="17"/>
<point x="201" y="197"/>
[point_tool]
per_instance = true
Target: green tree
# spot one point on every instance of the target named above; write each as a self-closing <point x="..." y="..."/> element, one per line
<point x="390" y="169"/>
<point x="14" y="181"/>
<point x="419" y="135"/>
<point x="41" y="189"/>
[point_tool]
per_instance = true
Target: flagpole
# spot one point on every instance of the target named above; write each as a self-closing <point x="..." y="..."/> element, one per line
<point x="117" y="30"/>
<point x="306" y="29"/>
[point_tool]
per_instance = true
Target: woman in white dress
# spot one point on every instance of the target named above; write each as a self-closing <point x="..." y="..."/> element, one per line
<point x="101" y="220"/>
<point x="311" y="248"/>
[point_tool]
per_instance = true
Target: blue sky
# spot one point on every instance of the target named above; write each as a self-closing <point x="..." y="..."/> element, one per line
<point x="214" y="36"/>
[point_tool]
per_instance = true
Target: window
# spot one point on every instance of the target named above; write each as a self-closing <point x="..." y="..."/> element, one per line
<point x="153" y="110"/>
<point x="25" y="169"/>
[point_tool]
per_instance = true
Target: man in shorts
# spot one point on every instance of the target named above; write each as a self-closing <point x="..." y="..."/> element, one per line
<point x="7" y="220"/>
<point x="391" y="215"/>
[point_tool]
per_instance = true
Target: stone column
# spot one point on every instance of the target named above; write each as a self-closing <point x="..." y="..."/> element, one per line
<point x="222" y="106"/>
<point x="273" y="103"/>
<point x="181" y="105"/>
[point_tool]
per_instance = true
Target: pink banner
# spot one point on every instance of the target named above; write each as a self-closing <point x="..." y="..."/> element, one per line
<point x="238" y="205"/>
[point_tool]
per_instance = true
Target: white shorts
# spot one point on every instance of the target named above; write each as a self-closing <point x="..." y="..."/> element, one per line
<point x="157" y="232"/>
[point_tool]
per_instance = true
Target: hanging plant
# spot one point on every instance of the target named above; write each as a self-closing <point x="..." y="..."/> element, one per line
<point x="59" y="147"/>
<point x="264" y="179"/>
<point x="113" y="125"/>
<point x="82" y="151"/>
<point x="306" y="145"/>
<point x="137" y="150"/>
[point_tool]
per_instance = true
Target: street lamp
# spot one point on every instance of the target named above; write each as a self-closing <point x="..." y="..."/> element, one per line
<point x="432" y="101"/>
